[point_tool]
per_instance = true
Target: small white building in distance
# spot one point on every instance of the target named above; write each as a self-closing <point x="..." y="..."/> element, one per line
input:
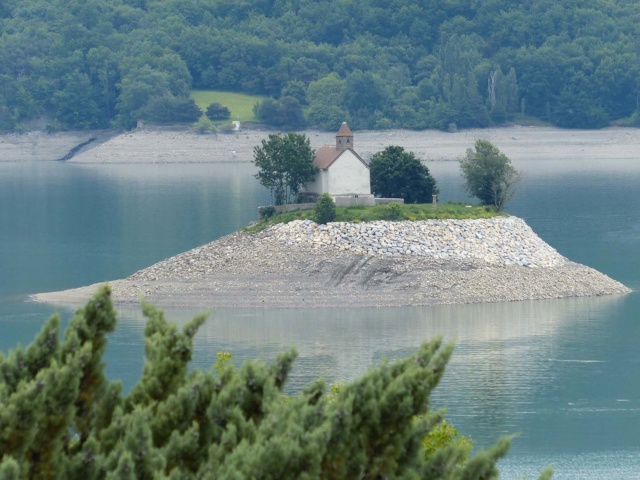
<point x="341" y="173"/>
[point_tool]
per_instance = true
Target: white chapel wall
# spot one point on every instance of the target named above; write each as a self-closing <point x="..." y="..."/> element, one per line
<point x="348" y="175"/>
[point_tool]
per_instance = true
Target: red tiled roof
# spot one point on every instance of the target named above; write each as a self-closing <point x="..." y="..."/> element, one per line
<point x="328" y="154"/>
<point x="344" y="131"/>
<point x="325" y="156"/>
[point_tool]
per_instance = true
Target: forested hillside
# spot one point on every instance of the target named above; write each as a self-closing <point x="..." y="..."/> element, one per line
<point x="377" y="63"/>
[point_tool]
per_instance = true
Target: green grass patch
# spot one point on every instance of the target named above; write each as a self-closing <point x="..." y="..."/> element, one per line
<point x="241" y="105"/>
<point x="395" y="212"/>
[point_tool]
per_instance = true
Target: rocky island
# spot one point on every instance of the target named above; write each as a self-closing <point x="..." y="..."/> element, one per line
<point x="382" y="263"/>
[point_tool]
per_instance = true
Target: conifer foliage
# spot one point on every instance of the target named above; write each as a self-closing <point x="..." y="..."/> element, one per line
<point x="325" y="210"/>
<point x="61" y="418"/>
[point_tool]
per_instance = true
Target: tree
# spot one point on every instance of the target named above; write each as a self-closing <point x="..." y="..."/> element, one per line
<point x="170" y="109"/>
<point x="488" y="174"/>
<point x="325" y="211"/>
<point x="285" y="112"/>
<point x="399" y="174"/>
<point x="366" y="98"/>
<point x="329" y="117"/>
<point x="204" y="125"/>
<point x="286" y="165"/>
<point x="217" y="111"/>
<point x="74" y="103"/>
<point x="61" y="418"/>
<point x="295" y="89"/>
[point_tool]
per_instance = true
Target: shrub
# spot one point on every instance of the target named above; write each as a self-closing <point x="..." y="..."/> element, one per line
<point x="267" y="212"/>
<point x="394" y="211"/>
<point x="325" y="209"/>
<point x="204" y="125"/>
<point x="217" y="111"/>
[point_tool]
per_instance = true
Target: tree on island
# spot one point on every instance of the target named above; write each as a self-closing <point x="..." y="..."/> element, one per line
<point x="61" y="417"/>
<point x="285" y="163"/>
<point x="399" y="174"/>
<point x="325" y="210"/>
<point x="489" y="175"/>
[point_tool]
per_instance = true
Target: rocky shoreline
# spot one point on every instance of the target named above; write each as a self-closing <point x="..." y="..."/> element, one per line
<point x="302" y="264"/>
<point x="174" y="144"/>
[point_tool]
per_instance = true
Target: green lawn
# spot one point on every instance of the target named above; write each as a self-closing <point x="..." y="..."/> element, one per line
<point x="241" y="105"/>
<point x="396" y="212"/>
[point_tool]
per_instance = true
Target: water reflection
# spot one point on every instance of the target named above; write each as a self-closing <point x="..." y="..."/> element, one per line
<point x="509" y="357"/>
<point x="388" y="332"/>
<point x="65" y="225"/>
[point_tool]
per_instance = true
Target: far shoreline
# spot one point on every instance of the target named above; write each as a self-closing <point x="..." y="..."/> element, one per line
<point x="180" y="145"/>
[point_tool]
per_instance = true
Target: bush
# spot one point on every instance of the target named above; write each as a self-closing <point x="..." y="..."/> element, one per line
<point x="169" y="109"/>
<point x="267" y="212"/>
<point x="216" y="111"/>
<point x="395" y="211"/>
<point x="325" y="209"/>
<point x="204" y="125"/>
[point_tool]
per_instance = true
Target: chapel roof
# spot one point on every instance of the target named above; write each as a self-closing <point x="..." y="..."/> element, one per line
<point x="344" y="131"/>
<point x="325" y="156"/>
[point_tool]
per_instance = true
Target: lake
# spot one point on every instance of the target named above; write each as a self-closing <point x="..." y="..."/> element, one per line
<point x="563" y="373"/>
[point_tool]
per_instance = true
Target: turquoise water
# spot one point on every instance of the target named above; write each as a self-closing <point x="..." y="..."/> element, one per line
<point x="563" y="374"/>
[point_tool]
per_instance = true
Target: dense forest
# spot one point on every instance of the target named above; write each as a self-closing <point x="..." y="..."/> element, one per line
<point x="82" y="64"/>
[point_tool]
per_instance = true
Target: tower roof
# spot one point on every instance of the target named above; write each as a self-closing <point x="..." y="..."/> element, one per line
<point x="344" y="131"/>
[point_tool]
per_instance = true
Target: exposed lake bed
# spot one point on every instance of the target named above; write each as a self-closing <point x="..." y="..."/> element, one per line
<point x="159" y="145"/>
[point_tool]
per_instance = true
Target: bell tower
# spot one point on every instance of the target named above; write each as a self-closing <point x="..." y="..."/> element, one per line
<point x="344" y="137"/>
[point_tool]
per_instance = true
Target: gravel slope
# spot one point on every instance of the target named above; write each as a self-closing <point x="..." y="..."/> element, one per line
<point x="302" y="264"/>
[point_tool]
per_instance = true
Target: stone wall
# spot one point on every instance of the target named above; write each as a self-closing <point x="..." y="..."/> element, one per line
<point x="384" y="201"/>
<point x="351" y="200"/>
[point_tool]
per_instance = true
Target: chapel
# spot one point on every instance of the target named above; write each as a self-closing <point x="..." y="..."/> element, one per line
<point x="342" y="173"/>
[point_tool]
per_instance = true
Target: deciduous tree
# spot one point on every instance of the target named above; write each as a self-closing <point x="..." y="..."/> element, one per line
<point x="285" y="163"/>
<point x="399" y="174"/>
<point x="217" y="111"/>
<point x="285" y="112"/>
<point x="489" y="175"/>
